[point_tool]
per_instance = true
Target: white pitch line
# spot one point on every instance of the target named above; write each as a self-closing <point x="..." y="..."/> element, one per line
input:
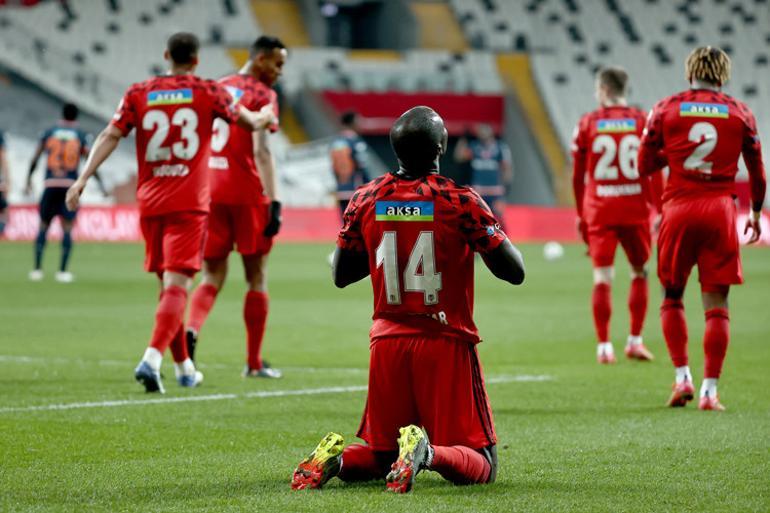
<point x="125" y="363"/>
<point x="225" y="397"/>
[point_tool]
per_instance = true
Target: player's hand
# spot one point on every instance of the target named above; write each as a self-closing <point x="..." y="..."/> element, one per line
<point x="752" y="223"/>
<point x="582" y="229"/>
<point x="265" y="117"/>
<point x="656" y="223"/>
<point x="73" y="195"/>
<point x="274" y="223"/>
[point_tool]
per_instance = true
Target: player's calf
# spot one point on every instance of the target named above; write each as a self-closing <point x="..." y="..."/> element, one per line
<point x="321" y="465"/>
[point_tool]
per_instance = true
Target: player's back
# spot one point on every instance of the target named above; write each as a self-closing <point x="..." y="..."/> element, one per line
<point x="235" y="178"/>
<point x="173" y="116"/>
<point x="64" y="143"/>
<point x="702" y="134"/>
<point x="420" y="236"/>
<point x="349" y="152"/>
<point x="609" y="138"/>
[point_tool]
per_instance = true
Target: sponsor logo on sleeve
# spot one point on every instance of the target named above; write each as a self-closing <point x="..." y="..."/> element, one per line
<point x="704" y="110"/>
<point x="615" y="126"/>
<point x="404" y="211"/>
<point x="169" y="97"/>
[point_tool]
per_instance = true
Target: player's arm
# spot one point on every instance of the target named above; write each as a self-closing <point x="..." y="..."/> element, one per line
<point x="258" y="120"/>
<point x="343" y="164"/>
<point x="651" y="157"/>
<point x="5" y="173"/>
<point x="579" y="163"/>
<point x="265" y="160"/>
<point x="505" y="262"/>
<point x="752" y="156"/>
<point x="105" y="144"/>
<point x="349" y="266"/>
<point x="32" y="165"/>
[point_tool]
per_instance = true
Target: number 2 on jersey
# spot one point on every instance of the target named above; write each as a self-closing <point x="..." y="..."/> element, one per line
<point x="705" y="134"/>
<point x="420" y="274"/>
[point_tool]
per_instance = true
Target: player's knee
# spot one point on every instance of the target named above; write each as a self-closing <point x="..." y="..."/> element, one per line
<point x="603" y="275"/>
<point x="674" y="294"/>
<point x="638" y="272"/>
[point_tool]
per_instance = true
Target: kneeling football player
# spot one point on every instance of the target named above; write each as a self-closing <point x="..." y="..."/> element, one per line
<point x="415" y="232"/>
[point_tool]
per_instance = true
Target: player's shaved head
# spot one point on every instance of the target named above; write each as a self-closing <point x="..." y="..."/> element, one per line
<point x="182" y="48"/>
<point x="419" y="137"/>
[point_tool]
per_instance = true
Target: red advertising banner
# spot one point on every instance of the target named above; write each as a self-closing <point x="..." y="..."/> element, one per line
<point x="378" y="111"/>
<point x="121" y="224"/>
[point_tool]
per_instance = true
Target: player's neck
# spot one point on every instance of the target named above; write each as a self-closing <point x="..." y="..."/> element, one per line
<point x="406" y="174"/>
<point x="699" y="84"/>
<point x="176" y="71"/>
<point x="615" y="102"/>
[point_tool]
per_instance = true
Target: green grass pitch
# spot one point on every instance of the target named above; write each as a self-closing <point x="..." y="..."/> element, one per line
<point x="590" y="439"/>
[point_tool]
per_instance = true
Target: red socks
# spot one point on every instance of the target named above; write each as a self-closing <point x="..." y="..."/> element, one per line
<point x="675" y="330"/>
<point x="715" y="340"/>
<point x="201" y="304"/>
<point x="255" y="316"/>
<point x="602" y="304"/>
<point x="168" y="317"/>
<point x="637" y="305"/>
<point x="460" y="465"/>
<point x="360" y="463"/>
<point x="179" y="346"/>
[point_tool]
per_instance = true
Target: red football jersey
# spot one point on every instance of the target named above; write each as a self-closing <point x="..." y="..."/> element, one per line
<point x="606" y="182"/>
<point x="173" y="116"/>
<point x="235" y="179"/>
<point x="420" y="236"/>
<point x="701" y="134"/>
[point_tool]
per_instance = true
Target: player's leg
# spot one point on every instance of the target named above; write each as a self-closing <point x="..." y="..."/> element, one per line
<point x="637" y="244"/>
<point x="174" y="245"/>
<point x="47" y="213"/>
<point x="219" y="243"/>
<point x="719" y="266"/>
<point x="3" y="214"/>
<point x="453" y="406"/>
<point x="602" y="243"/>
<point x="203" y="298"/>
<point x="677" y="250"/>
<point x="254" y="247"/>
<point x="389" y="405"/>
<point x="67" y="223"/>
<point x="715" y="341"/>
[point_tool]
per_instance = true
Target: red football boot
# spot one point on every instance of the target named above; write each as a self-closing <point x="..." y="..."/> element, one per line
<point x="638" y="352"/>
<point x="682" y="394"/>
<point x="413" y="449"/>
<point x="710" y="404"/>
<point x="322" y="464"/>
<point x="606" y="358"/>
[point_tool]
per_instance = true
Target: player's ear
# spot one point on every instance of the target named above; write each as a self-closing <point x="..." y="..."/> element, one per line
<point x="166" y="55"/>
<point x="194" y="61"/>
<point x="444" y="142"/>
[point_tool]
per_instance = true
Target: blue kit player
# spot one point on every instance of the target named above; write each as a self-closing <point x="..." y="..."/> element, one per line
<point x="348" y="155"/>
<point x="491" y="171"/>
<point x="64" y="144"/>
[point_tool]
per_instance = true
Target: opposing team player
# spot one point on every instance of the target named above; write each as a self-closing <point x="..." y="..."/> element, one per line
<point x="173" y="116"/>
<point x="701" y="134"/>
<point x="416" y="232"/>
<point x="65" y="144"/>
<point x="349" y="160"/>
<point x="5" y="186"/>
<point x="245" y="211"/>
<point x="613" y="206"/>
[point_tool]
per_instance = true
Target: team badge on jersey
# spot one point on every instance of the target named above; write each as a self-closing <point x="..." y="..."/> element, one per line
<point x="616" y="126"/>
<point x="704" y="110"/>
<point x="236" y="93"/>
<point x="404" y="211"/>
<point x="169" y="97"/>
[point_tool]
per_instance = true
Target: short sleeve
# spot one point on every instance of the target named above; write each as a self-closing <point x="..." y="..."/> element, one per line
<point x="351" y="237"/>
<point x="125" y="115"/>
<point x="222" y="103"/>
<point x="478" y="225"/>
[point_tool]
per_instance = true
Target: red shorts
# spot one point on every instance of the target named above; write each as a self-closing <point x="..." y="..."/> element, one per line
<point x="174" y="242"/>
<point x="435" y="382"/>
<point x="237" y="225"/>
<point x="635" y="239"/>
<point x="699" y="232"/>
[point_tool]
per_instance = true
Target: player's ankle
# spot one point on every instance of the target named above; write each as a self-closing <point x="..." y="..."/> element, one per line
<point x="634" y="340"/>
<point x="683" y="374"/>
<point x="709" y="387"/>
